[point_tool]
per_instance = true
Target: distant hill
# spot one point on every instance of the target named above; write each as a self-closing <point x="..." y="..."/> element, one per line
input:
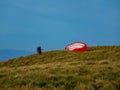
<point x="6" y="54"/>
<point x="96" y="69"/>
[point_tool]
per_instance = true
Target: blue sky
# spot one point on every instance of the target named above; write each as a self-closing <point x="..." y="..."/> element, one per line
<point x="26" y="24"/>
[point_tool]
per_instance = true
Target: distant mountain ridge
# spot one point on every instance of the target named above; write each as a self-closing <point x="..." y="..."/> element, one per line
<point x="6" y="54"/>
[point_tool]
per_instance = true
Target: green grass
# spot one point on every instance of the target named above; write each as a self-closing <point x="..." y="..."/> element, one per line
<point x="96" y="69"/>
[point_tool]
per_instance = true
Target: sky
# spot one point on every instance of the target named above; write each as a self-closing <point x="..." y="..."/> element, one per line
<point x="53" y="24"/>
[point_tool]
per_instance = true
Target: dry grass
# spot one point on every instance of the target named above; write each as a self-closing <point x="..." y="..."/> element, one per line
<point x="96" y="69"/>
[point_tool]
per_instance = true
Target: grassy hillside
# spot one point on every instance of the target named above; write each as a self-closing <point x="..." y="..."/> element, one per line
<point x="96" y="69"/>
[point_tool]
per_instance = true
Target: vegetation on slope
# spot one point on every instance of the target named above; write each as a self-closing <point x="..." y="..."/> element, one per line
<point x="96" y="69"/>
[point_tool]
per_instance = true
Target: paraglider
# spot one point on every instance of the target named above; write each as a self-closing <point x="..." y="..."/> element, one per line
<point x="39" y="50"/>
<point x="76" y="47"/>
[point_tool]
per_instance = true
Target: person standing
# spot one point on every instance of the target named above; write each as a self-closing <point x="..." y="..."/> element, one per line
<point x="39" y="50"/>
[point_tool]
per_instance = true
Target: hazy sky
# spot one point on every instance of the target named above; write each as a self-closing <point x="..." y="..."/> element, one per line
<point x="26" y="24"/>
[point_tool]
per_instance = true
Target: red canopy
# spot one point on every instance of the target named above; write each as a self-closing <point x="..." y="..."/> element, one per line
<point x="76" y="47"/>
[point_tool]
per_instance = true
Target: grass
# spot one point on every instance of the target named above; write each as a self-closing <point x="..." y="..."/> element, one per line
<point x="96" y="69"/>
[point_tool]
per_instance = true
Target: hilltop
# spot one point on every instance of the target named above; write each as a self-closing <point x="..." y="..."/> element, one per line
<point x="96" y="69"/>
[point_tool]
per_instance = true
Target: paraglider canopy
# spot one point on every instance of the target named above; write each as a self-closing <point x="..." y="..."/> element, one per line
<point x="76" y="47"/>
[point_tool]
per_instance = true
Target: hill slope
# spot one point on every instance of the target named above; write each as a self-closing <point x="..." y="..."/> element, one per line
<point x="96" y="69"/>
